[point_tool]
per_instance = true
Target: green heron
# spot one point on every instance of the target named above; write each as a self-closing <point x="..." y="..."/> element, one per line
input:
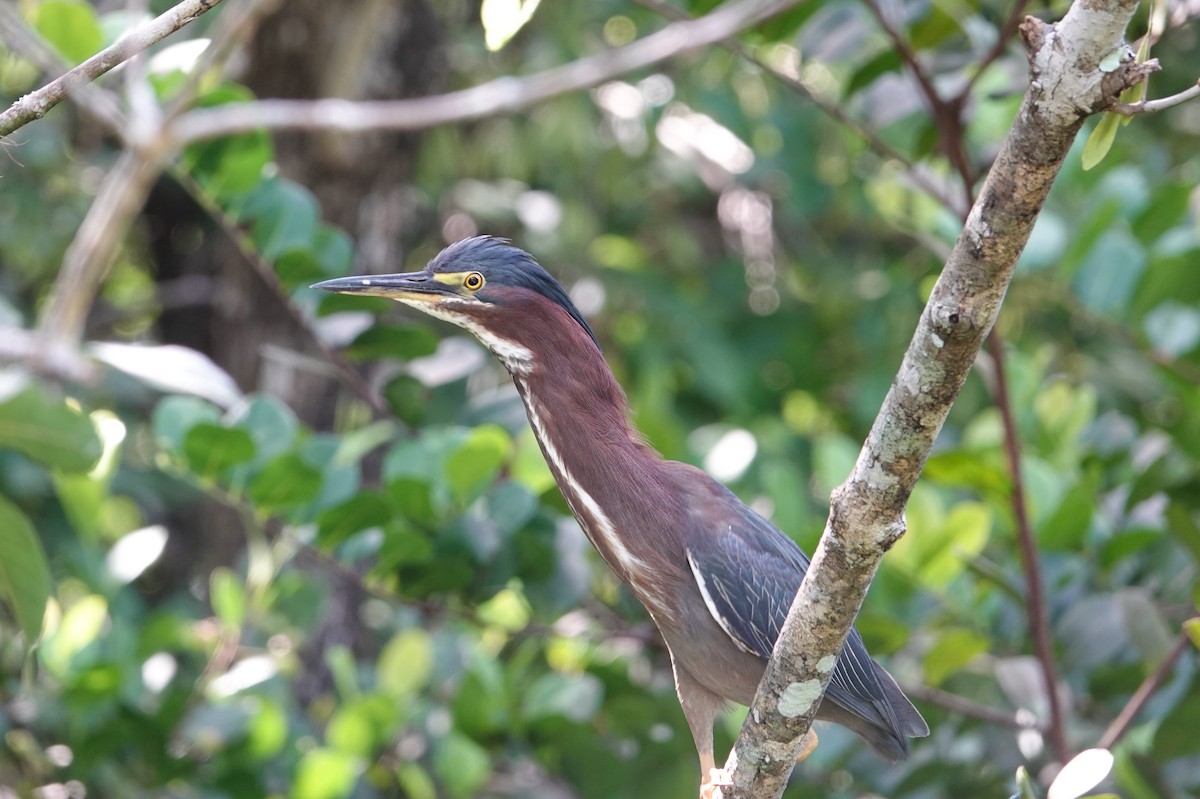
<point x="716" y="578"/>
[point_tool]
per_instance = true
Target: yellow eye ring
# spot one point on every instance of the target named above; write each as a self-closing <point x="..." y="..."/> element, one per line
<point x="473" y="281"/>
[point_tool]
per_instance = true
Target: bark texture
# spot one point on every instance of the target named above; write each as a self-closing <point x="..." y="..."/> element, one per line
<point x="867" y="511"/>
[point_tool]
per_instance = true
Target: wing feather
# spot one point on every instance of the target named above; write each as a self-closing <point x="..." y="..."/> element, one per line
<point x="748" y="574"/>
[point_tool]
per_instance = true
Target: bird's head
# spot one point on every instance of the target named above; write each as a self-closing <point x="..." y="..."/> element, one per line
<point x="485" y="285"/>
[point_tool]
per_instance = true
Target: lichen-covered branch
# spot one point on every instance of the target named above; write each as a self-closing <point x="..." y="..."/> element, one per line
<point x="867" y="511"/>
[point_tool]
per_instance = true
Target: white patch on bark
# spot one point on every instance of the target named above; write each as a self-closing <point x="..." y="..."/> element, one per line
<point x="798" y="697"/>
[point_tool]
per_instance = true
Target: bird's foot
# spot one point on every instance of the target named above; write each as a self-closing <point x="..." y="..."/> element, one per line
<point x="713" y="785"/>
<point x="807" y="744"/>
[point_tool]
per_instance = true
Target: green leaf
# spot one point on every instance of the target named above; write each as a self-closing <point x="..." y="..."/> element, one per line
<point x="461" y="765"/>
<point x="1064" y="530"/>
<point x="271" y="424"/>
<point x="175" y="416"/>
<point x="415" y="781"/>
<point x="70" y="27"/>
<point x="884" y="62"/>
<point x="24" y="575"/>
<point x="361" y="725"/>
<point x="572" y="696"/>
<point x="1101" y="140"/>
<point x="284" y="214"/>
<point x="267" y="730"/>
<point x="228" y="597"/>
<point x="1192" y="628"/>
<point x="393" y="341"/>
<point x="49" y="431"/>
<point x="286" y="481"/>
<point x="325" y="774"/>
<point x="405" y="664"/>
<point x="333" y="250"/>
<point x="210" y="449"/>
<point x="476" y="463"/>
<point x="360" y="512"/>
<point x="953" y="651"/>
<point x="232" y="165"/>
<point x="80" y="626"/>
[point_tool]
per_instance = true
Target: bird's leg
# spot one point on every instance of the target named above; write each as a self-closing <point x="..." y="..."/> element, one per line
<point x="712" y="779"/>
<point x="807" y="744"/>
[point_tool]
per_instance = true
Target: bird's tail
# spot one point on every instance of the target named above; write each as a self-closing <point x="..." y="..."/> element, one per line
<point x="901" y="721"/>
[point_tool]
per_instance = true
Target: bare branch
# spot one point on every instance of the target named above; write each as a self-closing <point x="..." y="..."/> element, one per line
<point x="967" y="707"/>
<point x="1150" y="106"/>
<point x="121" y="196"/>
<point x="35" y="104"/>
<point x="501" y="96"/>
<point x="23" y="41"/>
<point x="1124" y="720"/>
<point x="1035" y="600"/>
<point x="867" y="511"/>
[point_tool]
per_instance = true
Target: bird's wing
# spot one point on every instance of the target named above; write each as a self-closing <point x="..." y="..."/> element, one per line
<point x="748" y="573"/>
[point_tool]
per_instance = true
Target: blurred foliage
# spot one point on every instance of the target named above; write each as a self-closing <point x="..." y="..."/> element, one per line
<point x="754" y="272"/>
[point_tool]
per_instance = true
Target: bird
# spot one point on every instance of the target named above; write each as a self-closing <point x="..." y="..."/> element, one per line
<point x="716" y="578"/>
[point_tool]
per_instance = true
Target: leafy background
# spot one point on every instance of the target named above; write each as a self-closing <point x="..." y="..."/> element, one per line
<point x="260" y="585"/>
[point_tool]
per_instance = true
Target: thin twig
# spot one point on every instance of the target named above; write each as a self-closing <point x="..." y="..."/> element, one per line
<point x="1039" y="626"/>
<point x="831" y="108"/>
<point x="35" y="104"/>
<point x="1124" y="720"/>
<point x="22" y="40"/>
<point x="946" y="113"/>
<point x="1150" y="106"/>
<point x="501" y="96"/>
<point x="1007" y="31"/>
<point x="967" y="707"/>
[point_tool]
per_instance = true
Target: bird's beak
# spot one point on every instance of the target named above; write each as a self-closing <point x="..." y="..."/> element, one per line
<point x="409" y="286"/>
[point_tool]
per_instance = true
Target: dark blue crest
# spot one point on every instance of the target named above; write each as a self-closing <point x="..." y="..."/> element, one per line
<point x="502" y="264"/>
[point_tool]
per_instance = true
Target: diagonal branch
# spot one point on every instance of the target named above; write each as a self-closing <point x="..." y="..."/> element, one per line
<point x="1120" y="725"/>
<point x="867" y="511"/>
<point x="35" y="104"/>
<point x="501" y="96"/>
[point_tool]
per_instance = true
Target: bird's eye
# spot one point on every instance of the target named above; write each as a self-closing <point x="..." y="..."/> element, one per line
<point x="474" y="281"/>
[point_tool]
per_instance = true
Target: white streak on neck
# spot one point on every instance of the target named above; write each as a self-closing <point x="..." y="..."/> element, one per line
<point x="518" y="360"/>
<point x="591" y="516"/>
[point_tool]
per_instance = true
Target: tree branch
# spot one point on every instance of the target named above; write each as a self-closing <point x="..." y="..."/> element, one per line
<point x="35" y="104"/>
<point x="867" y="511"/>
<point x="1150" y="106"/>
<point x="1035" y="599"/>
<point x="1121" y="724"/>
<point x="967" y="707"/>
<point x="501" y="96"/>
<point x="23" y="41"/>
